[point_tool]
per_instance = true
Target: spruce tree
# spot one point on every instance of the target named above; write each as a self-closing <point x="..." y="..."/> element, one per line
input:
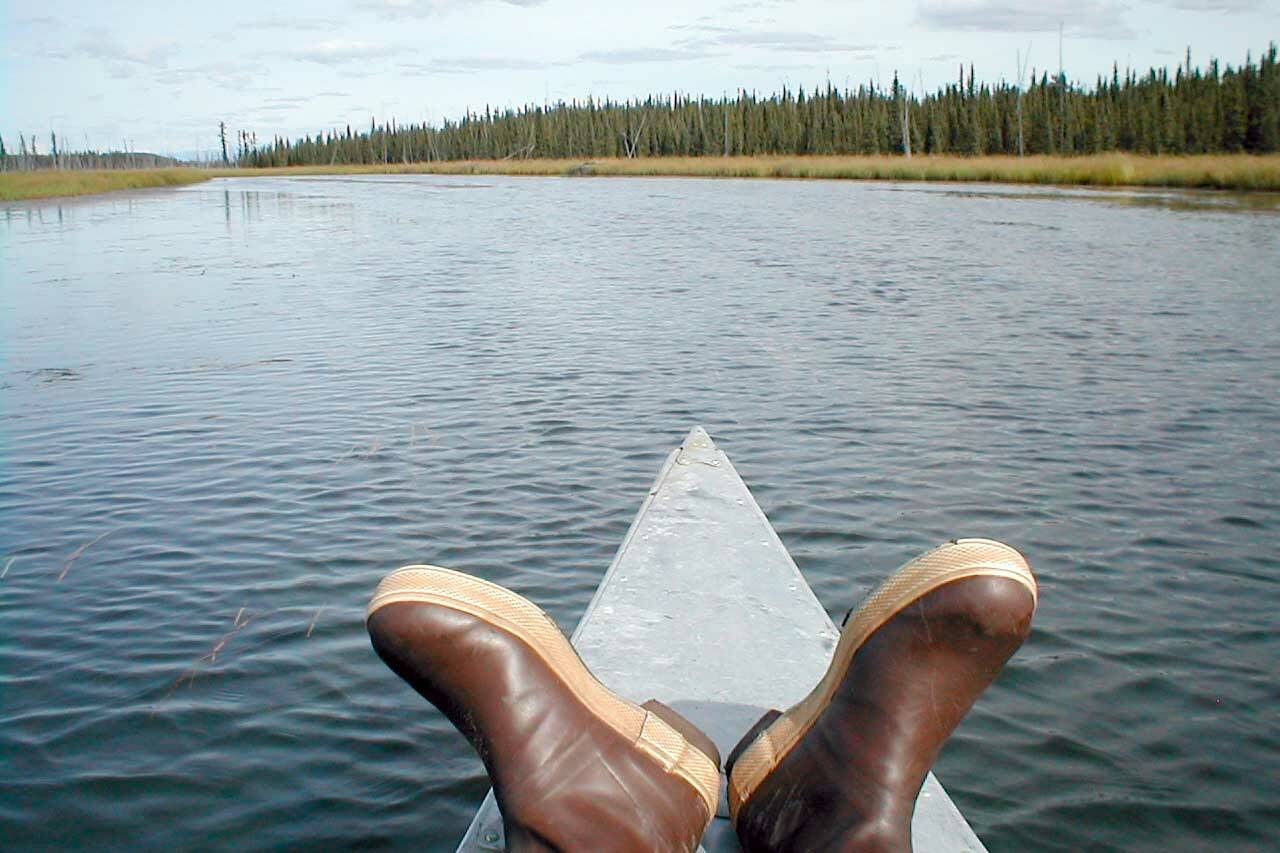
<point x="1190" y="110"/>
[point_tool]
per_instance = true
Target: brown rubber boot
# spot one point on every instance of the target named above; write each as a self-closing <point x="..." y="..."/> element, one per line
<point x="573" y="765"/>
<point x="841" y="770"/>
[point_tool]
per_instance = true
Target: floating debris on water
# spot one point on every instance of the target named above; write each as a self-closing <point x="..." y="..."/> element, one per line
<point x="312" y="626"/>
<point x="55" y="374"/>
<point x="75" y="555"/>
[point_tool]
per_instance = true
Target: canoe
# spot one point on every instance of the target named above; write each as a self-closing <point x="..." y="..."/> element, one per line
<point x="703" y="609"/>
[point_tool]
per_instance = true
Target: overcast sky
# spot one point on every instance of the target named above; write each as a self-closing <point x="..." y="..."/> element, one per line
<point x="162" y="74"/>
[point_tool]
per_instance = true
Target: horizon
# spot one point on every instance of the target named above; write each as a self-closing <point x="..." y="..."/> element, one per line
<point x="160" y="83"/>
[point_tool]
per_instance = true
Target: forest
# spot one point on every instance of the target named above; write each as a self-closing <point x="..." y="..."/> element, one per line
<point x="1191" y="110"/>
<point x="28" y="157"/>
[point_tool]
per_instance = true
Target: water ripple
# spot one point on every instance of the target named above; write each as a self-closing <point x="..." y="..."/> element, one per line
<point x="229" y="410"/>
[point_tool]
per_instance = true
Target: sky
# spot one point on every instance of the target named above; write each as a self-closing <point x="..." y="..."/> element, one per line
<point x="159" y="76"/>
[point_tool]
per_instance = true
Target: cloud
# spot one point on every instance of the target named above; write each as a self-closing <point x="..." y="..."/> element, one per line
<point x="1214" y="5"/>
<point x="38" y="22"/>
<point x="754" y="6"/>
<point x="1102" y="19"/>
<point x="398" y="9"/>
<point x="226" y="74"/>
<point x="475" y="64"/>
<point x="99" y="45"/>
<point x="791" y="42"/>
<point x="775" y="69"/>
<point x="269" y="107"/>
<point x="703" y="28"/>
<point x="628" y="56"/>
<point x="338" y="51"/>
<point x="714" y="35"/>
<point x="298" y="24"/>
<point x="716" y="40"/>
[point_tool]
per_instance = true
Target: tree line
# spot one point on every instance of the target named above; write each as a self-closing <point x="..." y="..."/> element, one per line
<point x="28" y="157"/>
<point x="1191" y="110"/>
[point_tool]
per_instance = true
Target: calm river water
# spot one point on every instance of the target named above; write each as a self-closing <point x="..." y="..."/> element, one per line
<point x="228" y="410"/>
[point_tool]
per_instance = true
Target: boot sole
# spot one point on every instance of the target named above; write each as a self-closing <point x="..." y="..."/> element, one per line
<point x="962" y="558"/>
<point x="646" y="729"/>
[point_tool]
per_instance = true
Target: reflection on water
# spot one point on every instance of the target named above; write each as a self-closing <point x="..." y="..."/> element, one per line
<point x="247" y="203"/>
<point x="228" y="410"/>
<point x="1169" y="199"/>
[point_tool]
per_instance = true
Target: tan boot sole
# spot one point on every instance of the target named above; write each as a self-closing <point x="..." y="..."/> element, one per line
<point x="516" y="615"/>
<point x="962" y="558"/>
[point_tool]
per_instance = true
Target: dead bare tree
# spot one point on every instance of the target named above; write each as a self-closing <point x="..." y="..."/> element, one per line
<point x="1022" y="71"/>
<point x="901" y="91"/>
<point x="630" y="138"/>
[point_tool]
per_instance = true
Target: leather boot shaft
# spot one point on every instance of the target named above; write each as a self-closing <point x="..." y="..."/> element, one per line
<point x="565" y="778"/>
<point x="854" y="758"/>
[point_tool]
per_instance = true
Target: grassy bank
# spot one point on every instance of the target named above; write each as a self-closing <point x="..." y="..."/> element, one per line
<point x="1222" y="171"/>
<point x="1228" y="172"/>
<point x="47" y="183"/>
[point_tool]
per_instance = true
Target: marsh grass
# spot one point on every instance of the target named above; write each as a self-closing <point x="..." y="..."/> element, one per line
<point x="211" y="656"/>
<point x="1234" y="172"/>
<point x="47" y="183"/>
<point x="75" y="555"/>
<point x="1210" y="171"/>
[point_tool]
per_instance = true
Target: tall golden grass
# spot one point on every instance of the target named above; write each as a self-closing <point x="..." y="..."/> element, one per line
<point x="1213" y="171"/>
<point x="47" y="183"/>
<point x="1225" y="171"/>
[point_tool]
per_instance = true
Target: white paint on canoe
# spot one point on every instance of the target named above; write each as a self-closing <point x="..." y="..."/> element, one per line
<point x="703" y="604"/>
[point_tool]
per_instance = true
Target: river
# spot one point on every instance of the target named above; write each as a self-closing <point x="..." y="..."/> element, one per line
<point x="227" y="410"/>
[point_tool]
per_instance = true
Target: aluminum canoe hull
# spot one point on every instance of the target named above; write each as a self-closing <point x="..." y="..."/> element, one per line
<point x="704" y="609"/>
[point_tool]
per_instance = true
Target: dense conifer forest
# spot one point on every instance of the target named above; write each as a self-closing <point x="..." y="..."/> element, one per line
<point x="1191" y="110"/>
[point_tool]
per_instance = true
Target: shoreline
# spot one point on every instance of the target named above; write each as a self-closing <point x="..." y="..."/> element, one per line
<point x="70" y="183"/>
<point x="1230" y="172"/>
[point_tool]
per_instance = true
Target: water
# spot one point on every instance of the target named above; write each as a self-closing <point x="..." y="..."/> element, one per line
<point x="229" y="410"/>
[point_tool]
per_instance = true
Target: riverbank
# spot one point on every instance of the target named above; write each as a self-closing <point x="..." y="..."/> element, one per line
<point x="49" y="183"/>
<point x="1240" y="172"/>
<point x="1226" y="172"/>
